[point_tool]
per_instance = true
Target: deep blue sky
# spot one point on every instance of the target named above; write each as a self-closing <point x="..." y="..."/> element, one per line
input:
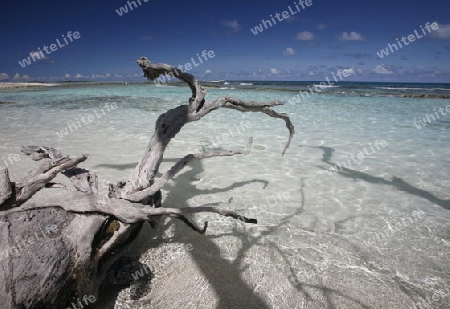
<point x="309" y="46"/>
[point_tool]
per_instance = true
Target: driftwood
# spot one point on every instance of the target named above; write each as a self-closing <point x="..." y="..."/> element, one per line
<point x="58" y="253"/>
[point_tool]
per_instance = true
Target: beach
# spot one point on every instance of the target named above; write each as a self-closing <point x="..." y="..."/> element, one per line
<point x="24" y="85"/>
<point x="373" y="233"/>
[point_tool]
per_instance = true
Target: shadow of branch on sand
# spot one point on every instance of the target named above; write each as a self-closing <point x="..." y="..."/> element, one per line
<point x="226" y="275"/>
<point x="396" y="182"/>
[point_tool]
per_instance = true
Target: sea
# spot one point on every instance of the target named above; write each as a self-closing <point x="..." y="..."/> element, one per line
<point x="355" y="214"/>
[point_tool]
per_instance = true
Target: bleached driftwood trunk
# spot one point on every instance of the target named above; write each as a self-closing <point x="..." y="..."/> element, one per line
<point x="60" y="252"/>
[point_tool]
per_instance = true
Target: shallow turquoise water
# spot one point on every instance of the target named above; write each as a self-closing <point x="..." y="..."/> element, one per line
<point x="382" y="218"/>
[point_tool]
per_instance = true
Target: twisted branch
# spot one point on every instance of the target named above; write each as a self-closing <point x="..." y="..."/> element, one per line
<point x="171" y="122"/>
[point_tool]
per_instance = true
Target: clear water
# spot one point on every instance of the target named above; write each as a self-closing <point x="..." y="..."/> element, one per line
<point x="374" y="235"/>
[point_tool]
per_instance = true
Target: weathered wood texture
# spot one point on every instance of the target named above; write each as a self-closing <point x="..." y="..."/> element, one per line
<point x="54" y="253"/>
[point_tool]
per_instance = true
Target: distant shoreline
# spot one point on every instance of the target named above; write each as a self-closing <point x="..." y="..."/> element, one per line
<point x="364" y="89"/>
<point x="24" y="85"/>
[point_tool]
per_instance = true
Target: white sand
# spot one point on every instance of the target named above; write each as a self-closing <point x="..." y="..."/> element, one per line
<point x="24" y="85"/>
<point x="343" y="241"/>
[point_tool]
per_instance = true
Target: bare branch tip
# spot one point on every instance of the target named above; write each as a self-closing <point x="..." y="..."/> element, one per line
<point x="205" y="226"/>
<point x="249" y="145"/>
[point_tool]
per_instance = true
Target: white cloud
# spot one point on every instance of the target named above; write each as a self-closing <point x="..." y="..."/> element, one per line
<point x="25" y="76"/>
<point x="67" y="75"/>
<point x="321" y="26"/>
<point x="4" y="76"/>
<point x="117" y="75"/>
<point x="17" y="77"/>
<point x="352" y="36"/>
<point x="289" y="51"/>
<point x="311" y="73"/>
<point x="79" y="75"/>
<point x="107" y="75"/>
<point x="305" y="36"/>
<point x="443" y="32"/>
<point x="208" y="72"/>
<point x="274" y="71"/>
<point x="232" y="24"/>
<point x="380" y="69"/>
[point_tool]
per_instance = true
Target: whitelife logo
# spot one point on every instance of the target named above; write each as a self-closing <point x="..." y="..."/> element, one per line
<point x="361" y="156"/>
<point x="39" y="55"/>
<point x="74" y="126"/>
<point x="411" y="38"/>
<point x="280" y="17"/>
<point x="186" y="67"/>
<point x="421" y="123"/>
<point x="124" y="9"/>
<point x="322" y="85"/>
